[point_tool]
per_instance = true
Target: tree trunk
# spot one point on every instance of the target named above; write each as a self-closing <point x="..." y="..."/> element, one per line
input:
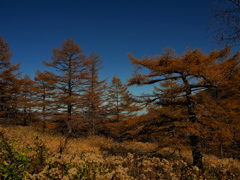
<point x="25" y="117"/>
<point x="44" y="125"/>
<point x="220" y="150"/>
<point x="196" y="153"/>
<point x="194" y="139"/>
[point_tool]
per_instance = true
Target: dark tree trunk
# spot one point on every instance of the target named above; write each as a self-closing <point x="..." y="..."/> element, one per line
<point x="44" y="125"/>
<point x="25" y="118"/>
<point x="194" y="139"/>
<point x="196" y="153"/>
<point x="220" y="149"/>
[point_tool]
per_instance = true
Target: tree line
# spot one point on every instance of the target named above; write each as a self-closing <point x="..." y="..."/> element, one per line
<point x="195" y="102"/>
<point x="71" y="94"/>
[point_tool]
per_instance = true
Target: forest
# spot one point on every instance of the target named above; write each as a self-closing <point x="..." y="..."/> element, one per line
<point x="194" y="106"/>
<point x="66" y="123"/>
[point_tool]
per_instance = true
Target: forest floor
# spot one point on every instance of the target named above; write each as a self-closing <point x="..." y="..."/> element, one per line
<point x="28" y="153"/>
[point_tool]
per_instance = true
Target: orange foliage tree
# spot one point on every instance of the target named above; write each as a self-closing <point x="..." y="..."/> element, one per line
<point x="180" y="100"/>
<point x="70" y="77"/>
<point x="26" y="101"/>
<point x="9" y="82"/>
<point x="45" y="86"/>
<point x="92" y="101"/>
<point x="120" y="105"/>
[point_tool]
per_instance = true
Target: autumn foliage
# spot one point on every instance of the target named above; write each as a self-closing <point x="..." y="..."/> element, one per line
<point x="198" y="95"/>
<point x="194" y="105"/>
<point x="9" y="84"/>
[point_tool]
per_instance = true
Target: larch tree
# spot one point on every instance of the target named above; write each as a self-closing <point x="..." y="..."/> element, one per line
<point x="70" y="76"/>
<point x="222" y="107"/>
<point x="9" y="82"/>
<point x="179" y="101"/>
<point x="162" y="102"/>
<point x="94" y="92"/>
<point x="26" y="101"/>
<point x="45" y="86"/>
<point x="120" y="105"/>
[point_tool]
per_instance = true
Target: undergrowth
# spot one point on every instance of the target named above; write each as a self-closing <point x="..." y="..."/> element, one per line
<point x="28" y="154"/>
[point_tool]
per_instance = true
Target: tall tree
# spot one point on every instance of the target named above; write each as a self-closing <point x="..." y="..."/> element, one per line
<point x="192" y="73"/>
<point x="9" y="82"/>
<point x="70" y="76"/>
<point x="226" y="22"/>
<point x="26" y="101"/>
<point x="120" y="105"/>
<point x="45" y="86"/>
<point x="94" y="91"/>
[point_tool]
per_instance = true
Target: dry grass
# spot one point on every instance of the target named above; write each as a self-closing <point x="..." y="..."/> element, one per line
<point x="97" y="157"/>
<point x="27" y="135"/>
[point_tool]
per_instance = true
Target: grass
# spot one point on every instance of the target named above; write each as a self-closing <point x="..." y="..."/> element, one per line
<point x="27" y="153"/>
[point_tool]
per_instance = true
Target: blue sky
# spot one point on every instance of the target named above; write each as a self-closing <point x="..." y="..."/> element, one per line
<point x="112" y="28"/>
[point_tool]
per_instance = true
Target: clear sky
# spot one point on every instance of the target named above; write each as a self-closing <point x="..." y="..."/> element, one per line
<point x="112" y="28"/>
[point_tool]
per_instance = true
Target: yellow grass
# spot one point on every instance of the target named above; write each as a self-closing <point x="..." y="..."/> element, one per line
<point x="92" y="152"/>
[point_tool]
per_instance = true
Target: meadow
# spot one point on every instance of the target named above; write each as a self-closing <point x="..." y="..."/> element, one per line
<point x="28" y="153"/>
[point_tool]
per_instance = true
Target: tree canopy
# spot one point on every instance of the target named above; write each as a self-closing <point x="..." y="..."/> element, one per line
<point x="184" y="79"/>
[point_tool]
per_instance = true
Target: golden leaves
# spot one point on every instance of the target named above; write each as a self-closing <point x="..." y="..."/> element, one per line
<point x="200" y="90"/>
